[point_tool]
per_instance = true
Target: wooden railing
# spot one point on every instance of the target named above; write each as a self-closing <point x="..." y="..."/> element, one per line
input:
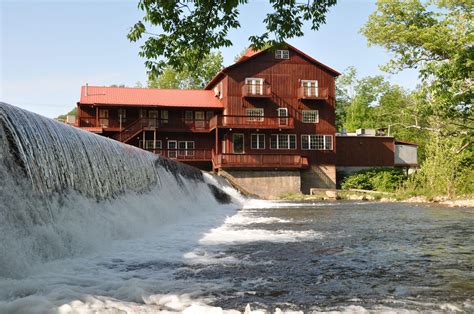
<point x="163" y="124"/>
<point x="256" y="90"/>
<point x="260" y="161"/>
<point x="184" y="154"/>
<point x="257" y="122"/>
<point x="313" y="92"/>
<point x="87" y="122"/>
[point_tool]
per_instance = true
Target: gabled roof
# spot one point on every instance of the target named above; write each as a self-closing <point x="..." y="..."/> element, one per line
<point x="250" y="54"/>
<point x="127" y="96"/>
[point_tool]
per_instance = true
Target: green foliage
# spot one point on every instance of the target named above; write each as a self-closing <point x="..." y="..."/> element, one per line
<point x="378" y="179"/>
<point x="187" y="78"/>
<point x="437" y="40"/>
<point x="188" y="31"/>
<point x="436" y="37"/>
<point x="63" y="117"/>
<point x="448" y="171"/>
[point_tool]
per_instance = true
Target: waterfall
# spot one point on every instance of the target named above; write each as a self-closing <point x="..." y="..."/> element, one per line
<point x="65" y="192"/>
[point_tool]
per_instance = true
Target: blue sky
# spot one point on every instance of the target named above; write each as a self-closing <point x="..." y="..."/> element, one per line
<point x="50" y="48"/>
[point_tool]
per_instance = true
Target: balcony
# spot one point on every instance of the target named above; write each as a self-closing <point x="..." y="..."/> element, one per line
<point x="184" y="154"/>
<point x="256" y="90"/>
<point x="252" y="122"/>
<point x="313" y="92"/>
<point x="269" y="161"/>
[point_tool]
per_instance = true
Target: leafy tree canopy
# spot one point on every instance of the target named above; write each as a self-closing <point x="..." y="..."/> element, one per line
<point x="188" y="31"/>
<point x="63" y="117"/>
<point x="187" y="78"/>
<point x="437" y="38"/>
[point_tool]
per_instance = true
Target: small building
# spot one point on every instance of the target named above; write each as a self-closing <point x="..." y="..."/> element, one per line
<point x="364" y="149"/>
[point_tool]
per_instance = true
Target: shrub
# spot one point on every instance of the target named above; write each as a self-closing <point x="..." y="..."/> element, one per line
<point x="378" y="179"/>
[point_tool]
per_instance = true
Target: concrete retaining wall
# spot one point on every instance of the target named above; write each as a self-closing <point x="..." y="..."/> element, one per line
<point x="318" y="176"/>
<point x="266" y="184"/>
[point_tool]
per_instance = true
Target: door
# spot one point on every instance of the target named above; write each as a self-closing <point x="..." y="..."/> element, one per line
<point x="153" y="118"/>
<point x="283" y="116"/>
<point x="172" y="152"/>
<point x="238" y="143"/>
<point x="310" y="88"/>
<point x="104" y="118"/>
<point x="254" y="86"/>
<point x="199" y="120"/>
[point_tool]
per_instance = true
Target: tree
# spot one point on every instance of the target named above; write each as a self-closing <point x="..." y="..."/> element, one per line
<point x="188" y="31"/>
<point x="436" y="38"/>
<point x="344" y="94"/>
<point x="63" y="117"/>
<point x="187" y="78"/>
<point x="438" y="42"/>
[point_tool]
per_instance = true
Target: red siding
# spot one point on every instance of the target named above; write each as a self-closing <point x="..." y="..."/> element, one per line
<point x="364" y="151"/>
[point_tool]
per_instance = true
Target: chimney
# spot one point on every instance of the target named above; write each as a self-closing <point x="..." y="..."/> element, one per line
<point x="87" y="89"/>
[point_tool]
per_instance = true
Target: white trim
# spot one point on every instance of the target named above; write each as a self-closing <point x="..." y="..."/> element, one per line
<point x="259" y="144"/>
<point x="255" y="114"/>
<point x="310" y="111"/>
<point x="172" y="151"/>
<point x="316" y="144"/>
<point x="288" y="141"/>
<point x="282" y="54"/>
<point x="311" y="87"/>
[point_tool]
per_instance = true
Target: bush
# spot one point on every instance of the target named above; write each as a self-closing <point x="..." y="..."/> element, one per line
<point x="378" y="179"/>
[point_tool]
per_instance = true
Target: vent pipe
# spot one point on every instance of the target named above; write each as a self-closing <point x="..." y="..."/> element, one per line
<point x="87" y="89"/>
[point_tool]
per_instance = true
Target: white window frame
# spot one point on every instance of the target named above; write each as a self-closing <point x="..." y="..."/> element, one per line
<point x="310" y="88"/>
<point x="288" y="141"/>
<point x="256" y="85"/>
<point x="104" y="118"/>
<point x="255" y="114"/>
<point x="260" y="143"/>
<point x="282" y="54"/>
<point x="317" y="142"/>
<point x="187" y="150"/>
<point x="283" y="116"/>
<point x="172" y="151"/>
<point x="312" y="118"/>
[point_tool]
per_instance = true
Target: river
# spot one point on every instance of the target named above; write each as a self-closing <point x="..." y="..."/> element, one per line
<point x="311" y="257"/>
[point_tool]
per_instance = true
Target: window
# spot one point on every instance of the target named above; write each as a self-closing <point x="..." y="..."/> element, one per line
<point x="172" y="145"/>
<point x="258" y="141"/>
<point x="199" y="120"/>
<point x="316" y="142"/>
<point x="209" y="115"/>
<point x="122" y="113"/>
<point x="283" y="141"/>
<point x="153" y="118"/>
<point x="255" y="114"/>
<point x="153" y="145"/>
<point x="310" y="88"/>
<point x="104" y="118"/>
<point x="254" y="86"/>
<point x="164" y="116"/>
<point x="238" y="143"/>
<point x="283" y="116"/>
<point x="310" y="116"/>
<point x="186" y="148"/>
<point x="188" y="117"/>
<point x="282" y="54"/>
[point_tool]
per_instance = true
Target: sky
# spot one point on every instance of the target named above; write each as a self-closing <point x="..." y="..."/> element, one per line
<point x="49" y="49"/>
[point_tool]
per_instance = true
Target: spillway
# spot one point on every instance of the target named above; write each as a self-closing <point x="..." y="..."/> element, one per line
<point x="65" y="192"/>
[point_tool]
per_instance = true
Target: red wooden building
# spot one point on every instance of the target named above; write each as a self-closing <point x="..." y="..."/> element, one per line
<point x="267" y="121"/>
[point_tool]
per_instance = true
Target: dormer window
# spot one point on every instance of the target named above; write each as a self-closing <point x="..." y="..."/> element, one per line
<point x="282" y="54"/>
